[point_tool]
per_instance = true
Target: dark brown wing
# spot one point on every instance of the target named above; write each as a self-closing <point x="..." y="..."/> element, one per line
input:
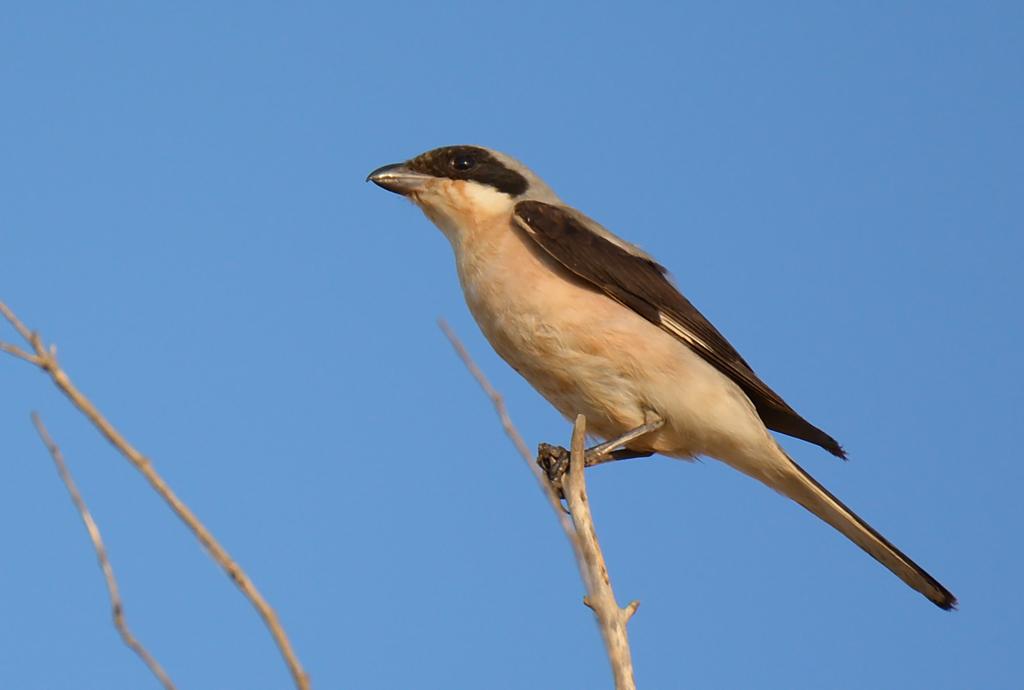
<point x="641" y="284"/>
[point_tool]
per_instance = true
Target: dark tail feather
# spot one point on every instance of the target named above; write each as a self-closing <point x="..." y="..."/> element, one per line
<point x="805" y="490"/>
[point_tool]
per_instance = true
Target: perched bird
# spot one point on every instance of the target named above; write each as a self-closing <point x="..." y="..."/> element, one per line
<point x="596" y="326"/>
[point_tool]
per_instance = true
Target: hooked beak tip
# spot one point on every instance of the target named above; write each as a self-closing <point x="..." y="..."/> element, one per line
<point x="379" y="172"/>
<point x="397" y="178"/>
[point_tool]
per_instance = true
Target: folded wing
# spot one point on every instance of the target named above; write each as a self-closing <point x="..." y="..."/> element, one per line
<point x="641" y="284"/>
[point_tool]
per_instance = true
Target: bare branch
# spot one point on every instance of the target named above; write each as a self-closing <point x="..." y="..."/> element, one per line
<point x="580" y="530"/>
<point x="19" y="353"/>
<point x="600" y="597"/>
<point x="101" y="555"/>
<point x="510" y="430"/>
<point x="22" y="329"/>
<point x="47" y="361"/>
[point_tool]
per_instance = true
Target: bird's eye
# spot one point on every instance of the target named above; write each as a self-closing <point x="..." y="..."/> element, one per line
<point x="463" y="162"/>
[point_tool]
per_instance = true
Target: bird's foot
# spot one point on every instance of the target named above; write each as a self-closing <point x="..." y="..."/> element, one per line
<point x="554" y="461"/>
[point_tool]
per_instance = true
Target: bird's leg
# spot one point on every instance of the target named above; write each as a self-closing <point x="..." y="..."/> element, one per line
<point x="620" y="454"/>
<point x="613" y="450"/>
<point x="554" y="460"/>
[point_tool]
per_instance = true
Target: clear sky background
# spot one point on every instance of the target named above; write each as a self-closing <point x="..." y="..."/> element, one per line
<point x="183" y="211"/>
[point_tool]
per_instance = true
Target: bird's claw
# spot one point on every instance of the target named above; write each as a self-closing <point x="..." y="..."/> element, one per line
<point x="554" y="461"/>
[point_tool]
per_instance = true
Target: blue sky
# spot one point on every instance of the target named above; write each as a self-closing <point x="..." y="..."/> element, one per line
<point x="182" y="210"/>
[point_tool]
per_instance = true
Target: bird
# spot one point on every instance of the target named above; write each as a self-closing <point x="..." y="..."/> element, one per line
<point x="597" y="326"/>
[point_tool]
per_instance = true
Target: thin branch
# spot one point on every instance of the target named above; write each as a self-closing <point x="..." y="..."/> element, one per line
<point x="16" y="351"/>
<point x="510" y="430"/>
<point x="22" y="329"/>
<point x="47" y="361"/>
<point x="116" y="606"/>
<point x="600" y="597"/>
<point x="579" y="530"/>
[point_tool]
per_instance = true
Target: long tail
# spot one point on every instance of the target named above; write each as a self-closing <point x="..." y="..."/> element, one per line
<point x="805" y="490"/>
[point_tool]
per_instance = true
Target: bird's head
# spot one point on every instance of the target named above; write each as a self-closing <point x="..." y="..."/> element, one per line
<point x="462" y="187"/>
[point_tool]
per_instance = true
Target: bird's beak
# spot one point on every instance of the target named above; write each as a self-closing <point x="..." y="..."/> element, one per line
<point x="398" y="178"/>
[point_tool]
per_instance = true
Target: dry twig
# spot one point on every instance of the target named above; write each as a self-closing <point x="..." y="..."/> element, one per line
<point x="116" y="606"/>
<point x="600" y="597"/>
<point x="579" y="530"/>
<point x="46" y="359"/>
<point x="511" y="431"/>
